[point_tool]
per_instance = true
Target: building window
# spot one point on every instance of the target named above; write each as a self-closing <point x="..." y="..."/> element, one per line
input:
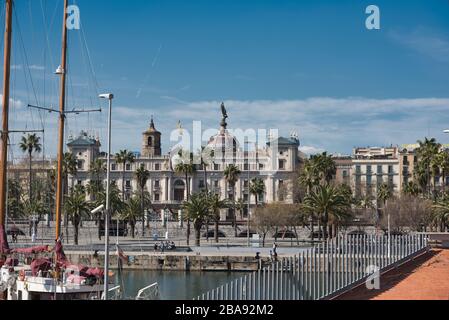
<point x="405" y="161"/>
<point x="80" y="165"/>
<point x="281" y="164"/>
<point x="246" y="166"/>
<point x="369" y="181"/>
<point x="201" y="184"/>
<point x="128" y="184"/>
<point x="157" y="167"/>
<point x="358" y="170"/>
<point x="142" y="166"/>
<point x="261" y="166"/>
<point x="245" y="197"/>
<point x="369" y="170"/>
<point x="128" y="167"/>
<point x="390" y="170"/>
<point x="380" y="170"/>
<point x="113" y="167"/>
<point x="157" y="184"/>
<point x="80" y="182"/>
<point x="216" y="184"/>
<point x="216" y="167"/>
<point x="245" y="184"/>
<point x="157" y="197"/>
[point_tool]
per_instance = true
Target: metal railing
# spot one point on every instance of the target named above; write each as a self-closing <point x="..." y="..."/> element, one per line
<point x="323" y="271"/>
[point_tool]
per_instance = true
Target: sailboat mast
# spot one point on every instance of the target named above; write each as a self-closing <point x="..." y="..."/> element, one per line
<point x="5" y="111"/>
<point x="59" y="191"/>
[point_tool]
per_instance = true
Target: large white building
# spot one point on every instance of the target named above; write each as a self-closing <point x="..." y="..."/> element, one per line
<point x="276" y="163"/>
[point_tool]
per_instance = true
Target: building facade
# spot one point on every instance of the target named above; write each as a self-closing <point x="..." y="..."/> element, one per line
<point x="275" y="163"/>
<point x="369" y="168"/>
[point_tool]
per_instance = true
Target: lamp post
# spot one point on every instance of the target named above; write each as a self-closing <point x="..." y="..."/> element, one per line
<point x="108" y="96"/>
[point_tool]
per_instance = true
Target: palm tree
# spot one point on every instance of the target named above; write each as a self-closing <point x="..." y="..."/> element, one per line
<point x="366" y="203"/>
<point x="97" y="169"/>
<point x="77" y="207"/>
<point x="142" y="176"/>
<point x="95" y="186"/>
<point x="325" y="167"/>
<point x="384" y="193"/>
<point x="124" y="157"/>
<point x="215" y="205"/>
<point x="186" y="168"/>
<point x="231" y="175"/>
<point x="14" y="198"/>
<point x="30" y="144"/>
<point x="131" y="213"/>
<point x="308" y="179"/>
<point x="440" y="213"/>
<point x="240" y="206"/>
<point x="412" y="189"/>
<point x="115" y="202"/>
<point x="197" y="210"/>
<point x="257" y="188"/>
<point x="69" y="167"/>
<point x="426" y="152"/>
<point x="33" y="207"/>
<point x="440" y="167"/>
<point x="328" y="203"/>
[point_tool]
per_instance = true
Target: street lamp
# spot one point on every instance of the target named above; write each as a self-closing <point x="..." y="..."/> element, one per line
<point x="108" y="96"/>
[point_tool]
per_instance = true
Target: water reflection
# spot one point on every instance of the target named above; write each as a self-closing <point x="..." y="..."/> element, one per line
<point x="176" y="285"/>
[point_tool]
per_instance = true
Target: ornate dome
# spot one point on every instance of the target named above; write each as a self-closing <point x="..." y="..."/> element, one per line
<point x="223" y="142"/>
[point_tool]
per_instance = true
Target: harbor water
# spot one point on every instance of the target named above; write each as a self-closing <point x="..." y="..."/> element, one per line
<point x="175" y="285"/>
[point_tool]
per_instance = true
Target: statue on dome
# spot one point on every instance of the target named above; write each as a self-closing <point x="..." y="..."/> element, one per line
<point x="225" y="116"/>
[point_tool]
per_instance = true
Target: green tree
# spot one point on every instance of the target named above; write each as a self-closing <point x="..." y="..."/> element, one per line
<point x="427" y="151"/>
<point x="329" y="204"/>
<point x="440" y="167"/>
<point x="77" y="208"/>
<point x="412" y="189"/>
<point x="30" y="144"/>
<point x="197" y="209"/>
<point x="441" y="213"/>
<point x="142" y="176"/>
<point x="124" y="157"/>
<point x="131" y="213"/>
<point x="69" y="168"/>
<point x="232" y="174"/>
<point x="186" y="167"/>
<point x="257" y="189"/>
<point x="215" y="205"/>
<point x="325" y="167"/>
<point x="15" y="207"/>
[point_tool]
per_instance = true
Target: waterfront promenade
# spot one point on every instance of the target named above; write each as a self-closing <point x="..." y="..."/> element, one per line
<point x="425" y="278"/>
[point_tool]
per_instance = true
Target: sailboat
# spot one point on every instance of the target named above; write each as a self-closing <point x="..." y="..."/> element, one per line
<point x="45" y="278"/>
<point x="51" y="277"/>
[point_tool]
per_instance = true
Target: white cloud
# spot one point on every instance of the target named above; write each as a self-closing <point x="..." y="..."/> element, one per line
<point x="13" y="103"/>
<point x="424" y="42"/>
<point x="323" y="123"/>
<point x="309" y="150"/>
<point x="335" y="125"/>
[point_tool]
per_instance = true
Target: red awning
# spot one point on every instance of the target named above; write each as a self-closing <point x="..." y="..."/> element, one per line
<point x="33" y="250"/>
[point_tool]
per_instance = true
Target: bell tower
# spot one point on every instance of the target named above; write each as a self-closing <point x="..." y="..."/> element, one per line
<point x="151" y="144"/>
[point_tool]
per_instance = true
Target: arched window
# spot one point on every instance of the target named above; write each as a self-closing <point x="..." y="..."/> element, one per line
<point x="150" y="141"/>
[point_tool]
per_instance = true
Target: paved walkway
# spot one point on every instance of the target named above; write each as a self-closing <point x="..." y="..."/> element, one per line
<point x="426" y="278"/>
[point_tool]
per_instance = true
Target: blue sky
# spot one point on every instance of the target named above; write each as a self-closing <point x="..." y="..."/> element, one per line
<point x="309" y="66"/>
